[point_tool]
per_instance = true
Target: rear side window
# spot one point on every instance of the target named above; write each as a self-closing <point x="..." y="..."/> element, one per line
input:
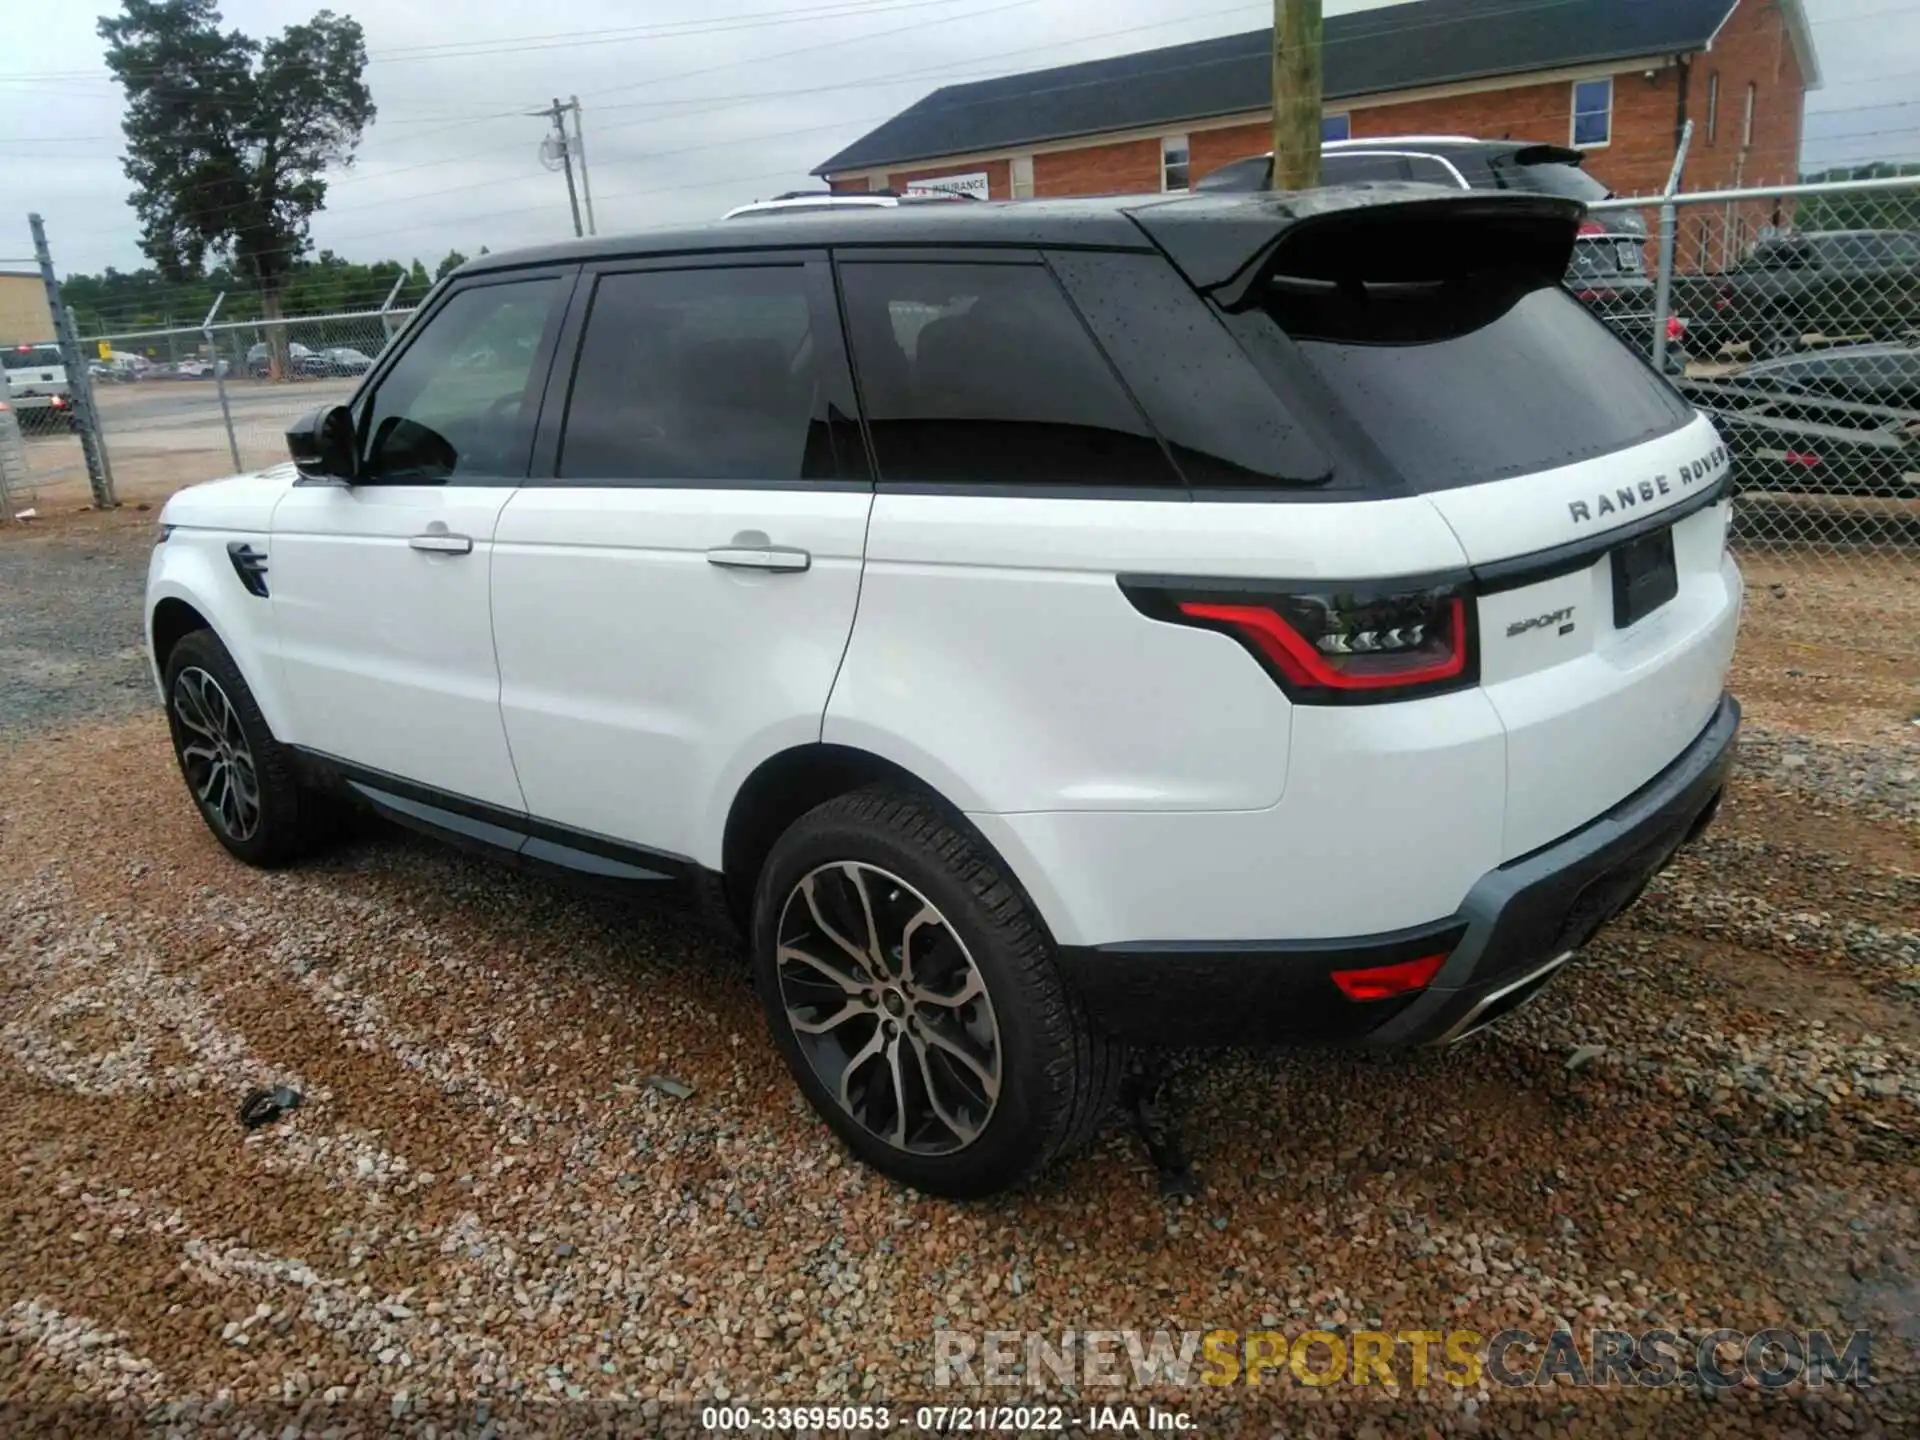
<point x="699" y="375"/>
<point x="980" y="374"/>
<point x="1249" y="174"/>
<point x="1473" y="378"/>
<point x="1547" y="177"/>
<point x="1430" y="171"/>
<point x="1359" y="169"/>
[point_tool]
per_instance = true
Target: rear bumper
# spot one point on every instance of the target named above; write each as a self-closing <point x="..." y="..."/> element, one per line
<point x="1518" y="925"/>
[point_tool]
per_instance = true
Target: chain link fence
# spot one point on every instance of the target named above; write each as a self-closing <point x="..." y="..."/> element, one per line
<point x="40" y="457"/>
<point x="1792" y="317"/>
<point x="188" y="404"/>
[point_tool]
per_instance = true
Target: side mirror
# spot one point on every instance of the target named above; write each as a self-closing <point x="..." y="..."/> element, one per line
<point x="321" y="443"/>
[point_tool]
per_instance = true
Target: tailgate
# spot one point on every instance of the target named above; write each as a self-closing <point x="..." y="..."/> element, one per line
<point x="1607" y="614"/>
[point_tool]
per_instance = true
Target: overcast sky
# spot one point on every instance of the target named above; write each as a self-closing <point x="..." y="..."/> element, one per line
<point x="697" y="108"/>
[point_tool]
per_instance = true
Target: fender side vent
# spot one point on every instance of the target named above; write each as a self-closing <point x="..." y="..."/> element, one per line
<point x="250" y="565"/>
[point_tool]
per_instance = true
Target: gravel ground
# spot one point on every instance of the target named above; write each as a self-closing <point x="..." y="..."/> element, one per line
<point x="1712" y="1120"/>
<point x="70" y="628"/>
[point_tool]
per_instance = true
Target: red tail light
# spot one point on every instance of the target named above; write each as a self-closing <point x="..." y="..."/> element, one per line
<point x="1337" y="646"/>
<point x="1592" y="227"/>
<point x="1383" y="982"/>
<point x="1802" y="457"/>
<point x="1676" y="327"/>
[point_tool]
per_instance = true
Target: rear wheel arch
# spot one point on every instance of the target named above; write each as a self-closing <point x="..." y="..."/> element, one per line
<point x="786" y="786"/>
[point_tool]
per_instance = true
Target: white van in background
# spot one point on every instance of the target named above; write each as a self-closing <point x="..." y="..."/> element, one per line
<point x="37" y="385"/>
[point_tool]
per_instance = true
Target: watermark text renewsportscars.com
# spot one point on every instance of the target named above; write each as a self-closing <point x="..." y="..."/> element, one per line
<point x="1095" y="1360"/>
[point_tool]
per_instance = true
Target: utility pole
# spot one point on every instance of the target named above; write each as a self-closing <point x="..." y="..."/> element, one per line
<point x="1296" y="94"/>
<point x="79" y="378"/>
<point x="557" y="146"/>
<point x="580" y="149"/>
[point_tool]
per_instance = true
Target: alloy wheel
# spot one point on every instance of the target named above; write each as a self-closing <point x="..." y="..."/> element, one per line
<point x="888" y="1007"/>
<point x="215" y="755"/>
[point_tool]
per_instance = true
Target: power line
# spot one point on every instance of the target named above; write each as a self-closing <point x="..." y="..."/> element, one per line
<point x="563" y="39"/>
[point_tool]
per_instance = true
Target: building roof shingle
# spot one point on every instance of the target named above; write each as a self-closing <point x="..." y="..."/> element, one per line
<point x="1367" y="52"/>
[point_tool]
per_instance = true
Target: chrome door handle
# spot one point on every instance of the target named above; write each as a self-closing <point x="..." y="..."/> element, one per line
<point x="779" y="558"/>
<point x="438" y="542"/>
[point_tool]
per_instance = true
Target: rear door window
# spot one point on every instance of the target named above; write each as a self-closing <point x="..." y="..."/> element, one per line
<point x="1474" y="378"/>
<point x="983" y="375"/>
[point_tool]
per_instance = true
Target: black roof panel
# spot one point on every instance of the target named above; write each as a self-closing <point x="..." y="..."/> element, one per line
<point x="1210" y="237"/>
<point x="1098" y="222"/>
<point x="1368" y="52"/>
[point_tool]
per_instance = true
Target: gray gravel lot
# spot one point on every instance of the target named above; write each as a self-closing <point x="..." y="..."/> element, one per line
<point x="71" y="645"/>
<point x="1712" y="1120"/>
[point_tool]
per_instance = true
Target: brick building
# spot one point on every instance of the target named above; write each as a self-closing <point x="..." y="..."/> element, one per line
<point x="24" y="317"/>
<point x="1616" y="78"/>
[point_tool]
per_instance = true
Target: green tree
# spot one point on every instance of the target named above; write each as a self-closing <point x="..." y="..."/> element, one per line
<point x="452" y="263"/>
<point x="229" y="138"/>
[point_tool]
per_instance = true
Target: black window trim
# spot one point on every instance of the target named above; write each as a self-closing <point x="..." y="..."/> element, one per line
<point x="360" y="403"/>
<point x="1029" y="256"/>
<point x="828" y="333"/>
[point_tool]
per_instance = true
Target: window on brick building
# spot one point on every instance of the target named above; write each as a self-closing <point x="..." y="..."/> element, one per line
<point x="1173" y="162"/>
<point x="1020" y="177"/>
<point x="1593" y="111"/>
<point x="1336" y="127"/>
<point x="1713" y="107"/>
<point x="1746" y="120"/>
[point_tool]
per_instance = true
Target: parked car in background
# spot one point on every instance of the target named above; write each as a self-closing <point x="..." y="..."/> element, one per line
<point x="816" y="202"/>
<point x="37" y="386"/>
<point x="1838" y="285"/>
<point x="197" y="369"/>
<point x="332" y="363"/>
<point x="1863" y="374"/>
<point x="260" y="359"/>
<point x="1458" y="162"/>
<point x="1205" y="623"/>
<point x="1844" y="421"/>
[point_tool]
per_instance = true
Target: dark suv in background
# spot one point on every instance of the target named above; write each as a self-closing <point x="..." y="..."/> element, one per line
<point x="1839" y="285"/>
<point x="1608" y="273"/>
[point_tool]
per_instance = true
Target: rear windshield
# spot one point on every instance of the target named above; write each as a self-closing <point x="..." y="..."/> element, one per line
<point x="39" y="357"/>
<point x="1551" y="177"/>
<point x="1475" y="378"/>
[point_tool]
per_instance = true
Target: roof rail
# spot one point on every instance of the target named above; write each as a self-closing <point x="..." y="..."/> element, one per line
<point x="1404" y="139"/>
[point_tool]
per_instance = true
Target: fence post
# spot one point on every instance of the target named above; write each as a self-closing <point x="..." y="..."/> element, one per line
<point x="13" y="459"/>
<point x="79" y="378"/>
<point x="1669" y="234"/>
<point x="220" y="380"/>
<point x="386" y="325"/>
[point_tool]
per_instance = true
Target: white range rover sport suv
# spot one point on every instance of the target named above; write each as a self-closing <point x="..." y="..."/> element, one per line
<point x="1038" y="629"/>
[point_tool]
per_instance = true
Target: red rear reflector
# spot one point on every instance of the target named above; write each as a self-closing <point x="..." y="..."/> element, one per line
<point x="1383" y="982"/>
<point x="1801" y="457"/>
<point x="1592" y="227"/>
<point x="1676" y="327"/>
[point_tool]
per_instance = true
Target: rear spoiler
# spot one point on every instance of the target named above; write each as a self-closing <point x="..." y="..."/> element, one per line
<point x="1381" y="234"/>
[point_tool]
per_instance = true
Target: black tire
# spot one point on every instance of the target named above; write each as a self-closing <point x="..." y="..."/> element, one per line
<point x="291" y="820"/>
<point x="1056" y="1076"/>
